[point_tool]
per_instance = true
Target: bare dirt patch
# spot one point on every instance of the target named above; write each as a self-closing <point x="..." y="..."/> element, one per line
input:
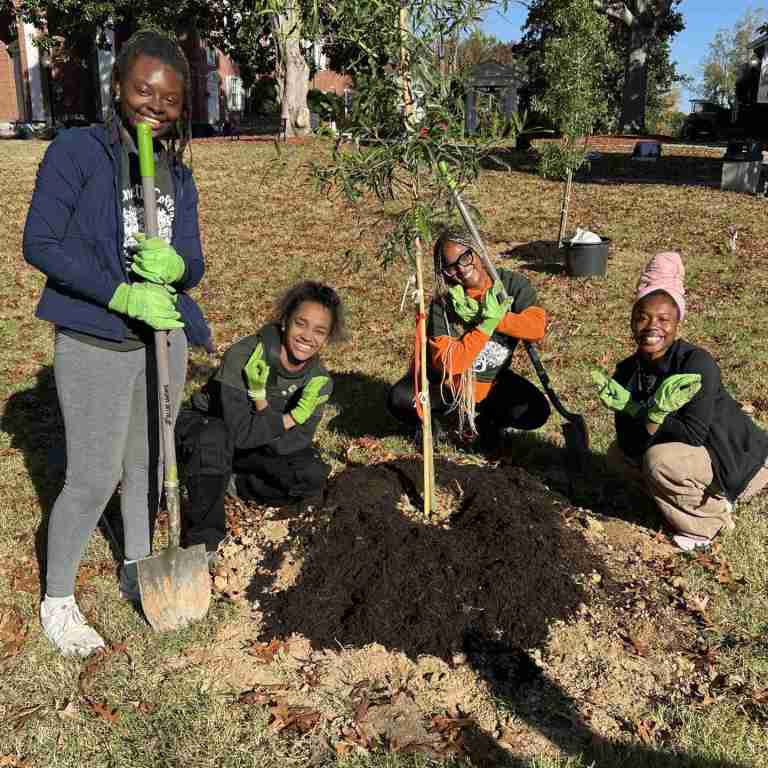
<point x="531" y="624"/>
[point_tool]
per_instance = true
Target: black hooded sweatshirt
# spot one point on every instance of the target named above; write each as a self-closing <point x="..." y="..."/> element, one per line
<point x="713" y="419"/>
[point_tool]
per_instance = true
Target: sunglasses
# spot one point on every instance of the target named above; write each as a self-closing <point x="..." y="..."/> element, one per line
<point x="464" y="260"/>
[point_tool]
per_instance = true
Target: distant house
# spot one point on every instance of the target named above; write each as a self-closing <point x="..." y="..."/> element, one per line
<point x="21" y="79"/>
<point x="498" y="85"/>
<point x="326" y="79"/>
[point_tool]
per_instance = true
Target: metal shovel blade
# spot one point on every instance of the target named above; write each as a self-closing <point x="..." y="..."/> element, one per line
<point x="175" y="587"/>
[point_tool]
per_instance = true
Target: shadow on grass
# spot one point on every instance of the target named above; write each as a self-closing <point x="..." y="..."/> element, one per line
<point x="538" y="256"/>
<point x="619" y="168"/>
<point x="33" y="420"/>
<point x="480" y="591"/>
<point x="362" y="403"/>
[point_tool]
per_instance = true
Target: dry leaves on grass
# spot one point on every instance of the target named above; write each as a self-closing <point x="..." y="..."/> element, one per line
<point x="283" y="716"/>
<point x="11" y="761"/>
<point x="90" y="570"/>
<point x="103" y="710"/>
<point x="266" y="652"/>
<point x="13" y="631"/>
<point x="650" y="732"/>
<point x="231" y="579"/>
<point x="290" y="718"/>
<point x="635" y="645"/>
<point x="25" y="577"/>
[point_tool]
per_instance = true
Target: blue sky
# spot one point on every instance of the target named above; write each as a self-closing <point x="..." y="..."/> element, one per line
<point x="702" y="20"/>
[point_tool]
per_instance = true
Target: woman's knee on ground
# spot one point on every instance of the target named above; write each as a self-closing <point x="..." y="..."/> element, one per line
<point x="672" y="465"/>
<point x="312" y="476"/>
<point x="400" y="399"/>
<point x="659" y="465"/>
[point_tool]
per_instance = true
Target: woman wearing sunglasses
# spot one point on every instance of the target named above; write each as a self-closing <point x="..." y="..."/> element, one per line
<point x="472" y="333"/>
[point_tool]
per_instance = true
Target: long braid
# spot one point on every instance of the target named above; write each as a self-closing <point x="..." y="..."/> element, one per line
<point x="463" y="391"/>
<point x="150" y="42"/>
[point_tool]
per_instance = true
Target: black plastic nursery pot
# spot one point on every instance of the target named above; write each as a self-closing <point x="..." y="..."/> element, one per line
<point x="587" y="259"/>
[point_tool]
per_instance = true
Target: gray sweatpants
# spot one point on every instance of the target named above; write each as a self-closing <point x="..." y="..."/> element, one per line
<point x="103" y="400"/>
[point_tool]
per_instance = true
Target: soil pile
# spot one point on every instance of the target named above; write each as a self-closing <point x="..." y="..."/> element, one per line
<point x="507" y="558"/>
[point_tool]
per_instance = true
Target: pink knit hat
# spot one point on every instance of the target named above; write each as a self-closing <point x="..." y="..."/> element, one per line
<point x="664" y="272"/>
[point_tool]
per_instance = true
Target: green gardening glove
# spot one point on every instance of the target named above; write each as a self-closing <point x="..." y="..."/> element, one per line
<point x="150" y="303"/>
<point x="157" y="261"/>
<point x="310" y="399"/>
<point x="493" y="309"/>
<point x="256" y="373"/>
<point x="613" y="395"/>
<point x="673" y="393"/>
<point x="465" y="306"/>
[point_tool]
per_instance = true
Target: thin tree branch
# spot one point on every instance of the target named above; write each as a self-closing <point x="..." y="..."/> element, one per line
<point x="617" y="11"/>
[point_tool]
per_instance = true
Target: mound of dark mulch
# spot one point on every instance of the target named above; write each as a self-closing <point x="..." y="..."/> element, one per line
<point x="496" y="572"/>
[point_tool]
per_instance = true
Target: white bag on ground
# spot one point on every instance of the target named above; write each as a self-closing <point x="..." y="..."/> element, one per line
<point x="585" y="237"/>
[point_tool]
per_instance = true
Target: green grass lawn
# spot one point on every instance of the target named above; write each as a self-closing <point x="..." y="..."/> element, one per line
<point x="159" y="701"/>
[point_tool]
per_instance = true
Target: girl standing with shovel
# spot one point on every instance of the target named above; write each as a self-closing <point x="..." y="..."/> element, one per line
<point x="108" y="289"/>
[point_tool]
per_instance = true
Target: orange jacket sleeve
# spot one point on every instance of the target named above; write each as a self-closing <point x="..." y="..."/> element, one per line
<point x="459" y="354"/>
<point x="528" y="325"/>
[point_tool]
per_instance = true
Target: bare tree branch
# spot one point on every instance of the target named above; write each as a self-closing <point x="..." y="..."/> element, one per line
<point x="617" y="11"/>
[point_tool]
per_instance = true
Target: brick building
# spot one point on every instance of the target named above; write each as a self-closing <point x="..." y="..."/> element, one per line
<point x="71" y="85"/>
<point x="21" y="75"/>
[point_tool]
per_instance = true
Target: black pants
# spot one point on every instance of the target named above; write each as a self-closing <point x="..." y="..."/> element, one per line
<point x="512" y="402"/>
<point x="210" y="458"/>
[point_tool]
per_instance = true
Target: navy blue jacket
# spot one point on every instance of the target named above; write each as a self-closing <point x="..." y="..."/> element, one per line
<point x="74" y="235"/>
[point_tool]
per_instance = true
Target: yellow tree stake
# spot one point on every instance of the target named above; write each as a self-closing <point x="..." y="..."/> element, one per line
<point x="426" y="406"/>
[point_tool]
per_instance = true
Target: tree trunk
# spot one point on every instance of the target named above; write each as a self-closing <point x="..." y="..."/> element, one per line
<point x="291" y="71"/>
<point x="635" y="82"/>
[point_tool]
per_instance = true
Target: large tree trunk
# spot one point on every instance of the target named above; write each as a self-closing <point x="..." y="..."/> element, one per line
<point x="632" y="118"/>
<point x="292" y="71"/>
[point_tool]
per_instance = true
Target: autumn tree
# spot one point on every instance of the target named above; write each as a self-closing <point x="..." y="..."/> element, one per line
<point x="727" y="54"/>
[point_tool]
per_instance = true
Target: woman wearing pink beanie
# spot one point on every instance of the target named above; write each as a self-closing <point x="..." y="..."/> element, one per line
<point x="679" y="433"/>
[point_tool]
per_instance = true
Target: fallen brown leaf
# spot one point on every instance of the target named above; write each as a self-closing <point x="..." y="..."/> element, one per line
<point x="104" y="711"/>
<point x="266" y="652"/>
<point x="635" y="645"/>
<point x="646" y="730"/>
<point x="96" y="660"/>
<point x="256" y="696"/>
<point x="26" y="577"/>
<point x="13" y="631"/>
<point x="301" y="719"/>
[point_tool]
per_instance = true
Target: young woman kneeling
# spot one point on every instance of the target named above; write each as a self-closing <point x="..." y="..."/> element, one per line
<point x="679" y="433"/>
<point x="262" y="408"/>
<point x="472" y="335"/>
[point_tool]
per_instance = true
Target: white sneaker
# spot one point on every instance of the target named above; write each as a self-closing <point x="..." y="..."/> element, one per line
<point x="689" y="542"/>
<point x="66" y="627"/>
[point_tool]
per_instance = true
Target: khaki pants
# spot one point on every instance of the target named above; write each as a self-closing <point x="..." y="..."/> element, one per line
<point x="679" y="478"/>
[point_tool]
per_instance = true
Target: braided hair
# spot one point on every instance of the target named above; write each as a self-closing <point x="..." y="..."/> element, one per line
<point x="150" y="42"/>
<point x="461" y="388"/>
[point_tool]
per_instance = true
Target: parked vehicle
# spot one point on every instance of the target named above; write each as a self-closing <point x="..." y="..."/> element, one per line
<point x="706" y="120"/>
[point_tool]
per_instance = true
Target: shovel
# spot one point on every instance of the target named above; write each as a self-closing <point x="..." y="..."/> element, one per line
<point x="175" y="585"/>
<point x="575" y="428"/>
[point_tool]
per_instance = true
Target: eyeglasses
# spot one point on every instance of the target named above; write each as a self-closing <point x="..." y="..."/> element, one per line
<point x="464" y="260"/>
